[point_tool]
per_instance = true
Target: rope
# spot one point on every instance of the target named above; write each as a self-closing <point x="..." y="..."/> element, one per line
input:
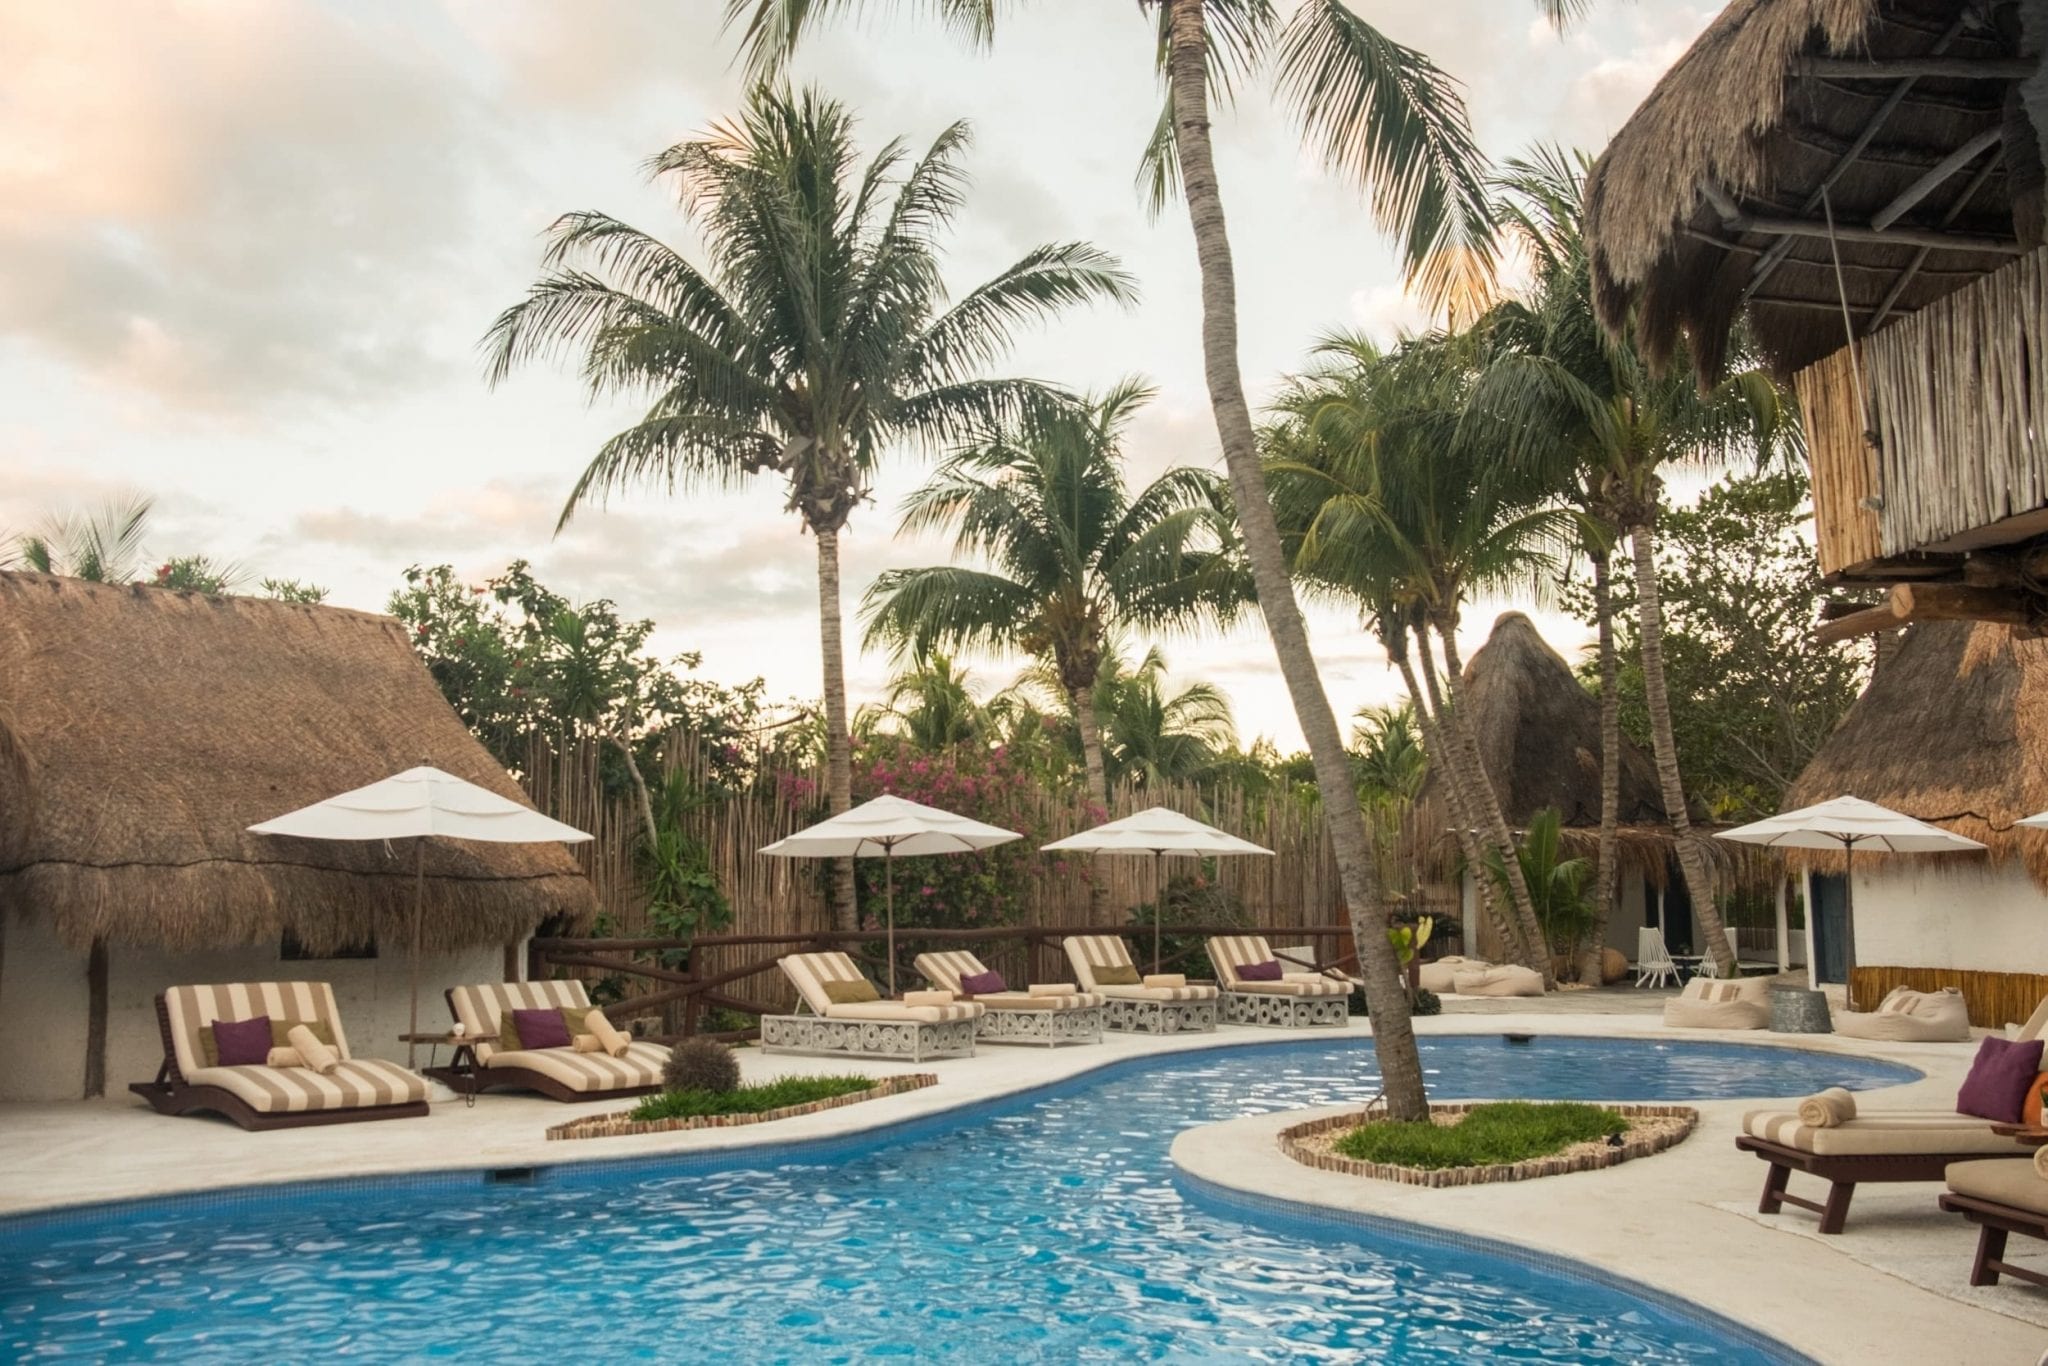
<point x="1848" y="326"/>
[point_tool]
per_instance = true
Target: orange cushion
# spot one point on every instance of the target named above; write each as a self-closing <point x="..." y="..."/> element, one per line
<point x="2030" y="1114"/>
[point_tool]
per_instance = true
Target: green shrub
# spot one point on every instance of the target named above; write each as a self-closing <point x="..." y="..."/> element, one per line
<point x="1505" y="1131"/>
<point x="1426" y="1002"/>
<point x="749" y="1100"/>
<point x="701" y="1065"/>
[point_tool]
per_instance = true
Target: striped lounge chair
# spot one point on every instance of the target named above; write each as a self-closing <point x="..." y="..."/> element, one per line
<point x="1300" y="999"/>
<point x="1103" y="965"/>
<point x="864" y="1028"/>
<point x="557" y="1073"/>
<point x="1043" y="1017"/>
<point x="262" y="1097"/>
<point x="1889" y="1145"/>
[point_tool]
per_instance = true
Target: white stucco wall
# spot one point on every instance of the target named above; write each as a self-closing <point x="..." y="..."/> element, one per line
<point x="1980" y="916"/>
<point x="43" y="1002"/>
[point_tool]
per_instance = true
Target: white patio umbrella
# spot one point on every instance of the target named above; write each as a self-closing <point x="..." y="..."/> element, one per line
<point x="884" y="828"/>
<point x="1161" y="833"/>
<point x="420" y="803"/>
<point x="1850" y="823"/>
<point x="2037" y="821"/>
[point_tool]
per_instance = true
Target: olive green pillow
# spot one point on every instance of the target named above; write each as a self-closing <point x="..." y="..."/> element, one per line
<point x="572" y="1019"/>
<point x="1121" y="975"/>
<point x="279" y="1029"/>
<point x="851" y="993"/>
<point x="508" y="1035"/>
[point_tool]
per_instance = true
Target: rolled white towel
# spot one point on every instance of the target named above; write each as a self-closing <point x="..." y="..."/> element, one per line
<point x="2041" y="1162"/>
<point x="1827" y="1109"/>
<point x="1053" y="989"/>
<point x="610" y="1039"/>
<point x="1166" y="979"/>
<point x="312" y="1053"/>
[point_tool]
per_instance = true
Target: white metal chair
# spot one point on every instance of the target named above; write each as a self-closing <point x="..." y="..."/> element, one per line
<point x="1654" y="963"/>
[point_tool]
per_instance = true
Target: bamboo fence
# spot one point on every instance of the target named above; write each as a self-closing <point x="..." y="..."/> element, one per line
<point x="1843" y="465"/>
<point x="1994" y="998"/>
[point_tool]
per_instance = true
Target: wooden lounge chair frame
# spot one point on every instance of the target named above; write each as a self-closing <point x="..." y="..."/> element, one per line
<point x="473" y="1079"/>
<point x="1843" y="1173"/>
<point x="1995" y="1222"/>
<point x="171" y="1094"/>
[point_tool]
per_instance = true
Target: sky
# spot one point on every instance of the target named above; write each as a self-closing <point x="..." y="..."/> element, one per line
<point x="250" y="247"/>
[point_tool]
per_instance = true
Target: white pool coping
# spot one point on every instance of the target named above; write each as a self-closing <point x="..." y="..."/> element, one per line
<point x="1652" y="1220"/>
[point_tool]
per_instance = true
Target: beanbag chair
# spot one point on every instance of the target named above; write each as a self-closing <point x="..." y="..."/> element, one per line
<point x="1437" y="975"/>
<point x="1504" y="980"/>
<point x="1909" y="1016"/>
<point x="1718" y="1003"/>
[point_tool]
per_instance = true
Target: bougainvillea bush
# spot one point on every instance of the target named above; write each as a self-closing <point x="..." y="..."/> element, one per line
<point x="982" y="890"/>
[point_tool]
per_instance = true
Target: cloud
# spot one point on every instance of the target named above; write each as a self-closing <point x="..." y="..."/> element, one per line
<point x="228" y="203"/>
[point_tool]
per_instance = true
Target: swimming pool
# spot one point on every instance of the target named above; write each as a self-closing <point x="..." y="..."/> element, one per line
<point x="1044" y="1227"/>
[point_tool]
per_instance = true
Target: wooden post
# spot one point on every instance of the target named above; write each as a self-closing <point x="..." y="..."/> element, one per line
<point x="1784" y="921"/>
<point x="96" y="1020"/>
<point x="512" y="961"/>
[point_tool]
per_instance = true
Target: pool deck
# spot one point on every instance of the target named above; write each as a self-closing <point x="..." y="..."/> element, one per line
<point x="1669" y="1220"/>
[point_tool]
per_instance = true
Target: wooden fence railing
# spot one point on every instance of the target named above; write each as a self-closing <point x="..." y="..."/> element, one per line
<point x="719" y="967"/>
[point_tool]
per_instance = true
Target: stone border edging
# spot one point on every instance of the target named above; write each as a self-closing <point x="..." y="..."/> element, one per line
<point x="1632" y="1145"/>
<point x="622" y="1122"/>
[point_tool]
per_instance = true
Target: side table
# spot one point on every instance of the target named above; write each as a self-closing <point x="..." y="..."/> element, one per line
<point x="461" y="1075"/>
<point x="1796" y="1010"/>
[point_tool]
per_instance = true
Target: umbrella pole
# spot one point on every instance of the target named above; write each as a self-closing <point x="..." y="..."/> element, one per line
<point x="1849" y="922"/>
<point x="1158" y="901"/>
<point x="889" y="901"/>
<point x="419" y="893"/>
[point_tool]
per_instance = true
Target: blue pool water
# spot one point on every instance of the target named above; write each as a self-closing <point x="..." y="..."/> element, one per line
<point x="1049" y="1227"/>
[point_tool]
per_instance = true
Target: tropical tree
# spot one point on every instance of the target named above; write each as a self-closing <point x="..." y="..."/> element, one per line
<point x="1560" y="885"/>
<point x="816" y="337"/>
<point x="1387" y="748"/>
<point x="931" y="705"/>
<point x="1385" y="117"/>
<point x="103" y="546"/>
<point x="1075" y="556"/>
<point x="1154" y="733"/>
<point x="1392" y="500"/>
<point x="1585" y="411"/>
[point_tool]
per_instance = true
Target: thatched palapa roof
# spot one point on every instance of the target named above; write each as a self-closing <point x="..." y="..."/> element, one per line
<point x="1954" y="730"/>
<point x="1687" y="210"/>
<point x="1539" y="741"/>
<point x="141" y="730"/>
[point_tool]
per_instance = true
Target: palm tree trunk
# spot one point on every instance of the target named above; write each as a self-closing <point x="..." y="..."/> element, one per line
<point x="1098" y="793"/>
<point x="1386" y="991"/>
<point x="1454" y="798"/>
<point x="96" y="1020"/>
<point x="1650" y="628"/>
<point x="838" y="744"/>
<point x="1486" y="805"/>
<point x="1605" y="864"/>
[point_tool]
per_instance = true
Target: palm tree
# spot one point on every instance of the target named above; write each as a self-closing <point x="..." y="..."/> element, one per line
<point x="1075" y="555"/>
<point x="1586" y="411"/>
<point x="817" y="337"/>
<point x="1153" y="735"/>
<point x="1392" y="503"/>
<point x="1388" y="748"/>
<point x="102" y="546"/>
<point x="1388" y="119"/>
<point x="932" y="705"/>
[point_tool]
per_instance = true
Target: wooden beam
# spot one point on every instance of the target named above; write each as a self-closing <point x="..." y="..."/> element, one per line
<point x="1897" y="68"/>
<point x="1740" y="221"/>
<point x="1932" y="180"/>
<point x="1961" y="602"/>
<point x="1869" y="621"/>
<point x="1917" y="266"/>
<point x="1836" y="608"/>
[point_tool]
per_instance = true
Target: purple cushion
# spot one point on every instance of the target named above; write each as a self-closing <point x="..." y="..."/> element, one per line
<point x="242" y="1043"/>
<point x="542" y="1028"/>
<point x="982" y="983"/>
<point x="1997" y="1085"/>
<point x="1260" y="972"/>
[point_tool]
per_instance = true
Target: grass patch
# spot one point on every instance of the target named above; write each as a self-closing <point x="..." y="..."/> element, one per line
<point x="1506" y="1131"/>
<point x="749" y="1100"/>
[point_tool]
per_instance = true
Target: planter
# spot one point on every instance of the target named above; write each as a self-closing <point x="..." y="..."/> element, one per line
<point x="1652" y="1129"/>
<point x="622" y="1122"/>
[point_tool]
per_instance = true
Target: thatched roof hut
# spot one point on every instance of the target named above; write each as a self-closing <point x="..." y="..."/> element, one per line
<point x="141" y="730"/>
<point x="1709" y="201"/>
<point x="1539" y="741"/>
<point x="1953" y="729"/>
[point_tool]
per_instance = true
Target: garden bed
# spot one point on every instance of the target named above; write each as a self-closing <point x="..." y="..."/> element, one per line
<point x="622" y="1121"/>
<point x="1650" y="1129"/>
